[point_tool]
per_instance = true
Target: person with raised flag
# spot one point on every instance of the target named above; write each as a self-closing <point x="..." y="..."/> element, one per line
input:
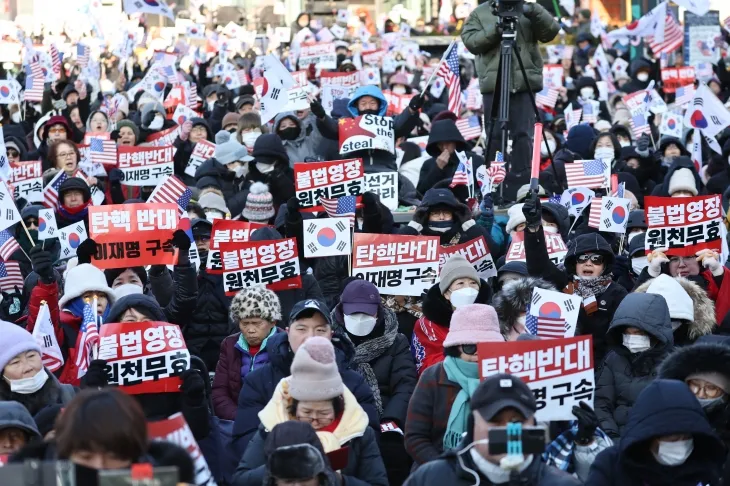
<point x="512" y="302"/>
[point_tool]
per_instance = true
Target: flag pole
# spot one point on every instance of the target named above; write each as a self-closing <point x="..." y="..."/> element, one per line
<point x="94" y="350"/>
<point x="433" y="74"/>
<point x="27" y="233"/>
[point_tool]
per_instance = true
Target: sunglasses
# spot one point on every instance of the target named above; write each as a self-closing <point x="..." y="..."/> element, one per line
<point x="595" y="258"/>
<point x="13" y="153"/>
<point x="470" y="349"/>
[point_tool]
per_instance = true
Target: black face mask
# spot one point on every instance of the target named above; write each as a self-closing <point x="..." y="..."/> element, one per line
<point x="290" y="133"/>
<point x="369" y="112"/>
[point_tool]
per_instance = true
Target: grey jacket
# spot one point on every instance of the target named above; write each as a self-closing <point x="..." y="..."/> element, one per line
<point x="305" y="145"/>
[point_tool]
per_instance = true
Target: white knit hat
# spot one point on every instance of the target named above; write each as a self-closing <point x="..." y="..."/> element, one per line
<point x="85" y="278"/>
<point x="678" y="300"/>
<point x="515" y="217"/>
<point x="314" y="372"/>
<point x="682" y="180"/>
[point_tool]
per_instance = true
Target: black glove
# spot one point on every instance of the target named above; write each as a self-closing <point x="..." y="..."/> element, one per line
<point x="317" y="109"/>
<point x="181" y="241"/>
<point x="42" y="263"/>
<point x="587" y="423"/>
<point x="193" y="387"/>
<point x="416" y="103"/>
<point x="116" y="176"/>
<point x="223" y="95"/>
<point x="86" y="250"/>
<point x="642" y="145"/>
<point x="620" y="266"/>
<point x="533" y="212"/>
<point x="96" y="375"/>
<point x="292" y="205"/>
<point x="369" y="199"/>
<point x="114" y="135"/>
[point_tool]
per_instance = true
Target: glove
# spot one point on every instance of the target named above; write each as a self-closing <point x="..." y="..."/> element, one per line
<point x="369" y="199"/>
<point x="223" y="95"/>
<point x="86" y="250"/>
<point x="317" y="109"/>
<point x="642" y="145"/>
<point x="487" y="206"/>
<point x="416" y="103"/>
<point x="185" y="130"/>
<point x="114" y="135"/>
<point x="193" y="386"/>
<point x="587" y="423"/>
<point x="655" y="259"/>
<point x="529" y="10"/>
<point x="533" y="212"/>
<point x="181" y="241"/>
<point x="96" y="375"/>
<point x="292" y="205"/>
<point x="42" y="264"/>
<point x="620" y="266"/>
<point x="116" y="176"/>
<point x="711" y="261"/>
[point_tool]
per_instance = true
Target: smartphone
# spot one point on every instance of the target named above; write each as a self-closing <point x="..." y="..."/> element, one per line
<point x="532" y="439"/>
<point x="39" y="473"/>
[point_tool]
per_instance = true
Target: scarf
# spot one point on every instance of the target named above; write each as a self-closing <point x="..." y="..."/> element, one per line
<point x="372" y="349"/>
<point x="76" y="307"/>
<point x="411" y="305"/>
<point x="590" y="286"/>
<point x="74" y="214"/>
<point x="466" y="375"/>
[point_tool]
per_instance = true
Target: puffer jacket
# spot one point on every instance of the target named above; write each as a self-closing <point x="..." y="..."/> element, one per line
<point x="624" y="374"/>
<point x="305" y="145"/>
<point x="482" y="37"/>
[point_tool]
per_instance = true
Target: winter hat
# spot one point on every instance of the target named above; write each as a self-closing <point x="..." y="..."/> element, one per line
<point x="360" y="296"/>
<point x="524" y="192"/>
<point x="82" y="278"/>
<point x="56" y="120"/>
<point x="245" y="100"/>
<point x="682" y="180"/>
<point x="230" y="119"/>
<point x="717" y="379"/>
<point x="472" y="324"/>
<point x="298" y="462"/>
<point x="678" y="300"/>
<point x="212" y="200"/>
<point x="13" y="414"/>
<point x="228" y="149"/>
<point x="131" y="125"/>
<point x="74" y="184"/>
<point x="455" y="268"/>
<point x="314" y="372"/>
<point x="13" y="341"/>
<point x="270" y="145"/>
<point x="515" y="216"/>
<point x="579" y="140"/>
<point x="253" y="302"/>
<point x="143" y="303"/>
<point x="259" y="203"/>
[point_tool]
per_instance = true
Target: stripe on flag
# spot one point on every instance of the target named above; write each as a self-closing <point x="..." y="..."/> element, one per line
<point x="585" y="173"/>
<point x="449" y="71"/>
<point x="469" y="127"/>
<point x="10" y="276"/>
<point x="103" y="151"/>
<point x="8" y="245"/>
<point x="673" y="38"/>
<point x="547" y="98"/>
<point x="172" y="190"/>
<point x="594" y="217"/>
<point x="342" y="207"/>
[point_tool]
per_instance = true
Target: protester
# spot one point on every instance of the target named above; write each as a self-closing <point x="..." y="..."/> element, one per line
<point x="17" y="427"/>
<point x="511" y="304"/>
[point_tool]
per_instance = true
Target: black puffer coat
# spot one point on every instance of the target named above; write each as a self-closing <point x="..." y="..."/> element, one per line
<point x="213" y="173"/>
<point x="624" y="374"/>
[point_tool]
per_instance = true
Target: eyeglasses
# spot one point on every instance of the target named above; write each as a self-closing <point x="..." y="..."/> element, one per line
<point x="595" y="258"/>
<point x="318" y="415"/>
<point x="470" y="349"/>
<point x="65" y="155"/>
<point x="679" y="260"/>
<point x="56" y="130"/>
<point x="709" y="390"/>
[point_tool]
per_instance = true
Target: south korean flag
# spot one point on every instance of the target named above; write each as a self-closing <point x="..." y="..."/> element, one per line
<point x="47" y="226"/>
<point x="327" y="237"/>
<point x="614" y="214"/>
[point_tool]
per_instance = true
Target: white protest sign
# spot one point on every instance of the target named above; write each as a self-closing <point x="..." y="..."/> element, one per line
<point x="202" y="151"/>
<point x="385" y="185"/>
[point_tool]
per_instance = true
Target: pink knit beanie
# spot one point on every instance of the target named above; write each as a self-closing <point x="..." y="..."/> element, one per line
<point x="473" y="324"/>
<point x="314" y="372"/>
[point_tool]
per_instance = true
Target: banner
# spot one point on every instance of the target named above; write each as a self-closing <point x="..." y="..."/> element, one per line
<point x="298" y="100"/>
<point x="397" y="103"/>
<point x="144" y="357"/>
<point x="351" y="79"/>
<point x="202" y="151"/>
<point x="145" y="166"/>
<point x="329" y="180"/>
<point x="327" y="237"/>
<point x="700" y="32"/>
<point x="396" y="264"/>
<point x="682" y="226"/>
<point x="323" y="56"/>
<point x="366" y="132"/>
<point x="163" y="138"/>
<point x="132" y="235"/>
<point x="552" y="76"/>
<point x="476" y="252"/>
<point x="385" y="185"/>
<point x="558" y="371"/>
<point x="272" y="263"/>
<point x="555" y="247"/>
<point x="673" y="78"/>
<point x="27" y="181"/>
<point x="227" y="231"/>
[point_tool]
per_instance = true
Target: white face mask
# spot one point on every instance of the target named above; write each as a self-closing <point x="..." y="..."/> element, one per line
<point x="674" y="453"/>
<point x="157" y="123"/>
<point x="211" y="215"/>
<point x="636" y="343"/>
<point x="638" y="264"/>
<point x="360" y="324"/>
<point x="15" y="117"/>
<point x="643" y="77"/>
<point x="462" y="297"/>
<point x="264" y="168"/>
<point x="604" y="153"/>
<point x="544" y="147"/>
<point x="624" y="143"/>
<point x="549" y="229"/>
<point x="711" y="403"/>
<point x="241" y="171"/>
<point x="26" y="386"/>
<point x="399" y="90"/>
<point x="587" y="93"/>
<point x="249" y="138"/>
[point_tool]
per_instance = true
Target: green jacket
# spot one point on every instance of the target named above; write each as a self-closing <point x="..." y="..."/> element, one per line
<point x="482" y="38"/>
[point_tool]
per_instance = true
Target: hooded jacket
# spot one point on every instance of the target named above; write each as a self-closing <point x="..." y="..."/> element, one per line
<point x="665" y="407"/>
<point x="259" y="386"/>
<point x="625" y="374"/>
<point x="511" y="302"/>
<point x="185" y="150"/>
<point x="681" y="162"/>
<point x="307" y="142"/>
<point x="213" y="173"/>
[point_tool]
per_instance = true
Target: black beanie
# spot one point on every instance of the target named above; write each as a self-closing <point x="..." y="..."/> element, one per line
<point x="74" y="183"/>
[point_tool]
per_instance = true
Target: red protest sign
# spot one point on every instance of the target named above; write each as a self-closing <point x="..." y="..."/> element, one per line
<point x="373" y="57"/>
<point x="673" y="78"/>
<point x="300" y="79"/>
<point x="176" y="430"/>
<point x="272" y="263"/>
<point x="145" y="166"/>
<point x="397" y="103"/>
<point x="26" y="180"/>
<point x="227" y="231"/>
<point x="131" y="235"/>
<point x="396" y="264"/>
<point x="682" y="226"/>
<point x="476" y="252"/>
<point x="162" y="138"/>
<point x="329" y="180"/>
<point x="202" y="151"/>
<point x="144" y="357"/>
<point x="555" y="246"/>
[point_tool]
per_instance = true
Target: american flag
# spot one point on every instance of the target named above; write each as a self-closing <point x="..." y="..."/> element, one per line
<point x="242" y="77"/>
<point x="102" y="151"/>
<point x="620" y="190"/>
<point x="8" y="245"/>
<point x="547" y="97"/>
<point x="449" y="71"/>
<point x="673" y="38"/>
<point x="461" y="178"/>
<point x="496" y="171"/>
<point x="590" y="114"/>
<point x="83" y="52"/>
<point x="469" y="127"/>
<point x="586" y="173"/>
<point x="474" y="100"/>
<point x="34" y="83"/>
<point x="543" y="326"/>
<point x="192" y="98"/>
<point x="169" y="73"/>
<point x="572" y="116"/>
<point x="684" y="95"/>
<point x="172" y="190"/>
<point x="50" y="192"/>
<point x="55" y="60"/>
<point x="88" y="339"/>
<point x="639" y="125"/>
<point x="594" y="216"/>
<point x="10" y="276"/>
<point x="341" y="207"/>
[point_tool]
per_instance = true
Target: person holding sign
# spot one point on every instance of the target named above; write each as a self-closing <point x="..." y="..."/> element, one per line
<point x="300" y="140"/>
<point x="191" y="132"/>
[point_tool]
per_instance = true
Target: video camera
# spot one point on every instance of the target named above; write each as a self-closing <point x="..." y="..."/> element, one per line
<point x="65" y="473"/>
<point x="509" y="8"/>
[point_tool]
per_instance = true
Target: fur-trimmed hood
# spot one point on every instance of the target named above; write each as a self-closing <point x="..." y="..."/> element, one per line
<point x="704" y="309"/>
<point x="512" y="300"/>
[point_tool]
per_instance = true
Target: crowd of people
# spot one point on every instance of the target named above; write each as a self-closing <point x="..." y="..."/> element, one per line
<point x="337" y="382"/>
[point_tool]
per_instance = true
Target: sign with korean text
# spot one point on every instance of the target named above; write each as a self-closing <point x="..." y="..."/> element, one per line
<point x="682" y="226"/>
<point x="144" y="357"/>
<point x="202" y="151"/>
<point x="552" y="76"/>
<point x="673" y="78"/>
<point x="274" y="263"/>
<point x="366" y="132"/>
<point x="397" y="103"/>
<point x="298" y="99"/>
<point x="323" y="56"/>
<point x="340" y="79"/>
<point x="163" y="138"/>
<point x="476" y="252"/>
<point x="227" y="231"/>
<point x="558" y="371"/>
<point x="396" y="264"/>
<point x="329" y="180"/>
<point x="131" y="235"/>
<point x="373" y="57"/>
<point x="385" y="185"/>
<point x="555" y="246"/>
<point x="145" y="166"/>
<point x="27" y="181"/>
